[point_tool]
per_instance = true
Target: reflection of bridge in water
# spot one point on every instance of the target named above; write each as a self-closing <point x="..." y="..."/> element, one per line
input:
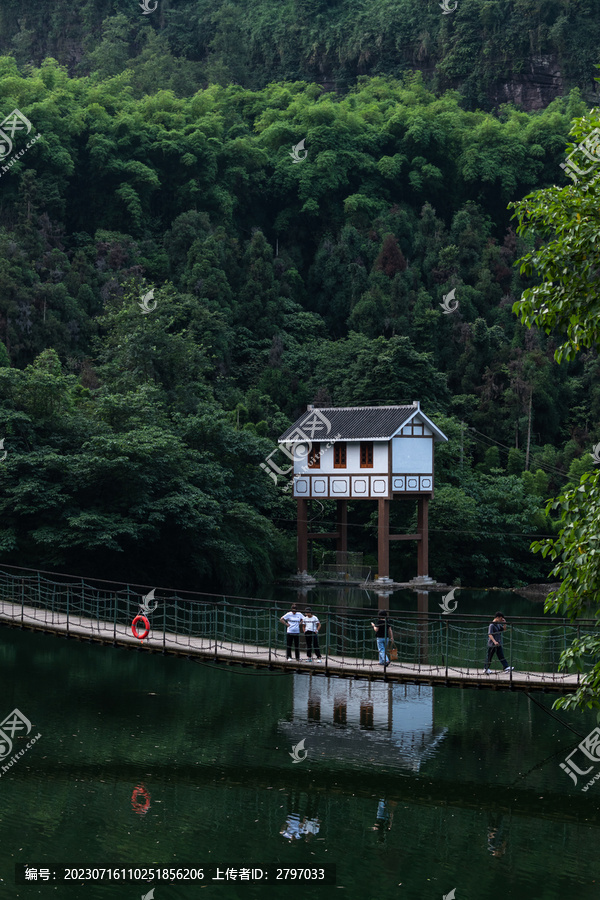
<point x="432" y="648"/>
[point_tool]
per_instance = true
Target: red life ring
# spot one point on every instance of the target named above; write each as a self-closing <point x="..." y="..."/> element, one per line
<point x="140" y="800"/>
<point x="146" y="623"/>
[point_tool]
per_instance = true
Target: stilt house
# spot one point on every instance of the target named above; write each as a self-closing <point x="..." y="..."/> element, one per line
<point x="378" y="453"/>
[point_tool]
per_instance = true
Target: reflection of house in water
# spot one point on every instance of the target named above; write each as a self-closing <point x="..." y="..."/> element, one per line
<point x="364" y="721"/>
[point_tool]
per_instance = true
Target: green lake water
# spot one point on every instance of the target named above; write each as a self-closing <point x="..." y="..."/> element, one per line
<point x="410" y="792"/>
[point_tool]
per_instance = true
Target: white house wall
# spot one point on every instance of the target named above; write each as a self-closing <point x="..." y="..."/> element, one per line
<point x="411" y="470"/>
<point x="326" y="467"/>
<point x="412" y="455"/>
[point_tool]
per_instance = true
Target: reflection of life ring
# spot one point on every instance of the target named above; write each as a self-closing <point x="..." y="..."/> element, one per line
<point x="143" y="619"/>
<point x="140" y="800"/>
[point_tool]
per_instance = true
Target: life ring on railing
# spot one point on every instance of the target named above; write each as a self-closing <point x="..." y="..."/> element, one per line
<point x="140" y="806"/>
<point x="146" y="623"/>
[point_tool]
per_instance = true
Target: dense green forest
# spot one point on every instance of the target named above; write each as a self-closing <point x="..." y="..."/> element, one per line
<point x="133" y="441"/>
<point x="524" y="51"/>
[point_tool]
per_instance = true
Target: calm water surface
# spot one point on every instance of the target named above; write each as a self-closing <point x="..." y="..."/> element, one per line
<point x="411" y="792"/>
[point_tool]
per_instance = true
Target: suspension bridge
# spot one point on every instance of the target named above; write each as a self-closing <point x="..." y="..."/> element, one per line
<point x="432" y="648"/>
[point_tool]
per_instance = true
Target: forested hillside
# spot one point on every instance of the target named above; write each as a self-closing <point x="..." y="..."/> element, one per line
<point x="134" y="440"/>
<point x="492" y="51"/>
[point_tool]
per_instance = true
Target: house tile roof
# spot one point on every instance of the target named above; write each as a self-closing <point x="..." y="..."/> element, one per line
<point x="353" y="423"/>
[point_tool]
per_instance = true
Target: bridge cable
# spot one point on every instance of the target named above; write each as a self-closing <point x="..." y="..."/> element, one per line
<point x="554" y="716"/>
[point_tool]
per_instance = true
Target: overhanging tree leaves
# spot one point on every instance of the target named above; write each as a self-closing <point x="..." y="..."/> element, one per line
<point x="577" y="552"/>
<point x="567" y="302"/>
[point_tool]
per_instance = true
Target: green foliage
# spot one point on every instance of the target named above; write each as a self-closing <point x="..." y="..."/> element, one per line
<point x="576" y="553"/>
<point x="136" y="438"/>
<point x="566" y="301"/>
<point x="489" y="50"/>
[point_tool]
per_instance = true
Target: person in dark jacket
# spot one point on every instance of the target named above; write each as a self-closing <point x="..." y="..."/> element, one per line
<point x="383" y="630"/>
<point x="495" y="630"/>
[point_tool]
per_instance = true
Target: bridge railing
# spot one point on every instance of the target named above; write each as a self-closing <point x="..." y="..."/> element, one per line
<point x="248" y="629"/>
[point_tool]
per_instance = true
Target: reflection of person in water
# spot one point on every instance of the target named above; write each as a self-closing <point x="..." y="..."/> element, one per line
<point x="385" y="817"/>
<point x="297" y="827"/>
<point x="292" y="828"/>
<point x="310" y="827"/>
<point x="496" y="841"/>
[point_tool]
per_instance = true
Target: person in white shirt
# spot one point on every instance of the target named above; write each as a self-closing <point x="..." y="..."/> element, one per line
<point x="311" y="627"/>
<point x="293" y="619"/>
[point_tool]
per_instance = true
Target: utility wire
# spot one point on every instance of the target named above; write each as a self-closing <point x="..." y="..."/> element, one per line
<point x="478" y="532"/>
<point x="552" y="470"/>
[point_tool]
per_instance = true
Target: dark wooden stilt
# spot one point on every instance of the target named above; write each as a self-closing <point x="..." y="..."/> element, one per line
<point x="383" y="539"/>
<point x="302" y="535"/>
<point x="423" y="531"/>
<point x="342" y="525"/>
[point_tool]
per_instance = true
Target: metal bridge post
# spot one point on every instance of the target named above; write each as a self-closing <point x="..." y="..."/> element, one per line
<point x="115" y="595"/>
<point x="216" y="608"/>
<point x="447" y="638"/>
<point x="22" y="599"/>
<point x="270" y="633"/>
<point x="164" y="626"/>
<point x="327" y="644"/>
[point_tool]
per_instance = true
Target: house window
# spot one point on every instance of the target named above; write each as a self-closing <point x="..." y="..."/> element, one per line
<point x="314" y="456"/>
<point x="339" y="456"/>
<point x="366" y="455"/>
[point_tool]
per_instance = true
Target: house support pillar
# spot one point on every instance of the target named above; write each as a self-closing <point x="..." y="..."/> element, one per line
<point x="302" y="535"/>
<point x="342" y="526"/>
<point x="423" y="532"/>
<point x="383" y="539"/>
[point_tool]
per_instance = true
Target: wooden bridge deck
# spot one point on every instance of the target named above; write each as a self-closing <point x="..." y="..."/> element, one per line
<point x="222" y="651"/>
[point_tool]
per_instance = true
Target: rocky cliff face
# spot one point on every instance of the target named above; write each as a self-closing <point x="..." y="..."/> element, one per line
<point x="533" y="89"/>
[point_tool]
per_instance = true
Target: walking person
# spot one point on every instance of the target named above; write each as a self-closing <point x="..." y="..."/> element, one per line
<point x="495" y="631"/>
<point x="383" y="630"/>
<point x="311" y="627"/>
<point x="292" y="619"/>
